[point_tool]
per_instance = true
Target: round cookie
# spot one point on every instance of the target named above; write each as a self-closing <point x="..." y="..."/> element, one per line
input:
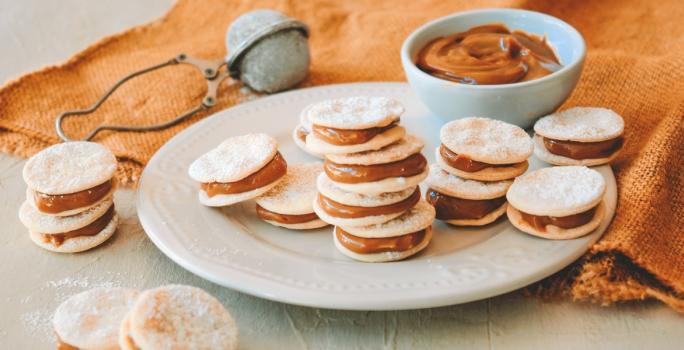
<point x="41" y="223"/>
<point x="407" y="146"/>
<point x="355" y="113"/>
<point x="554" y="232"/>
<point x="302" y="144"/>
<point x="78" y="244"/>
<point x="390" y="184"/>
<point x="191" y="317"/>
<point x="581" y="124"/>
<point x="419" y="217"/>
<point x="69" y="167"/>
<point x="557" y="191"/>
<point x="384" y="256"/>
<point x="381" y="140"/>
<point x="222" y="200"/>
<point x="327" y="188"/>
<point x="352" y="222"/>
<point x="487" y="174"/>
<point x="30" y="198"/>
<point x="486" y="140"/>
<point x="542" y="153"/>
<point x="234" y="159"/>
<point x="294" y="195"/>
<point x="91" y="319"/>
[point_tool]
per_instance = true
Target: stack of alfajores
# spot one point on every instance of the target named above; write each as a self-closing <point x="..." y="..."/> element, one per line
<point x="369" y="187"/>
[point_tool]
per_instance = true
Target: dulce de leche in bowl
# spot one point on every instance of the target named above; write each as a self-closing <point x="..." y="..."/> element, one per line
<point x="488" y="54"/>
<point x="507" y="64"/>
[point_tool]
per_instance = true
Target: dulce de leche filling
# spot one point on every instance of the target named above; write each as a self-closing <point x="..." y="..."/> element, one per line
<point x="95" y="227"/>
<point x="354" y="173"/>
<point x="268" y="215"/>
<point x="570" y="221"/>
<point x="464" y="163"/>
<point x="363" y="245"/>
<point x="345" y="137"/>
<point x="272" y="171"/>
<point x="302" y="134"/>
<point x="583" y="150"/>
<point x="488" y="54"/>
<point x="54" y="204"/>
<point x="61" y="345"/>
<point x="340" y="210"/>
<point x="452" y="208"/>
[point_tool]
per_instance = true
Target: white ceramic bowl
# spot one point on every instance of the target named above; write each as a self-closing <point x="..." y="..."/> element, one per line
<point x="519" y="103"/>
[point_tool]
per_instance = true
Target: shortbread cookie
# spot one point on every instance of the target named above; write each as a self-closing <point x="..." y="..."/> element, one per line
<point x="483" y="149"/>
<point x="91" y="319"/>
<point x="301" y="131"/>
<point x="68" y="178"/>
<point x="557" y="203"/>
<point x="330" y="190"/>
<point x="290" y="203"/>
<point x="579" y="136"/>
<point x="465" y="202"/>
<point x="402" y="149"/>
<point x="394" y="240"/>
<point x="340" y="214"/>
<point x="177" y="317"/>
<point x="240" y="168"/>
<point x="70" y="234"/>
<point x="354" y="124"/>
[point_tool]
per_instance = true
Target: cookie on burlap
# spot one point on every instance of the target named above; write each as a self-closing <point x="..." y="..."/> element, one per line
<point x="557" y="192"/>
<point x="294" y="196"/>
<point x="417" y="219"/>
<point x="580" y="125"/>
<point x="91" y="319"/>
<point x="177" y="317"/>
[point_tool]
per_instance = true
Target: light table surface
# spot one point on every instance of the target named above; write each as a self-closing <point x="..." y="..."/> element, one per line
<point x="33" y="282"/>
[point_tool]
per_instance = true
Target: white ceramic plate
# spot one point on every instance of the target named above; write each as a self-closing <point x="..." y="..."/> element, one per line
<point x="232" y="247"/>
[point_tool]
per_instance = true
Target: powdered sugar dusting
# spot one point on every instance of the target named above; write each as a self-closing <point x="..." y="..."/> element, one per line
<point x="69" y="167"/>
<point x="407" y="146"/>
<point x="39" y="222"/>
<point x="588" y="124"/>
<point x="557" y="190"/>
<point x="487" y="140"/>
<point x="234" y="159"/>
<point x="455" y="186"/>
<point x="294" y="195"/>
<point x="328" y="189"/>
<point x="360" y="112"/>
<point x="91" y="319"/>
<point x="417" y="218"/>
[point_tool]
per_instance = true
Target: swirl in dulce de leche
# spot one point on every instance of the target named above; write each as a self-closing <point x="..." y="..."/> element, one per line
<point x="489" y="54"/>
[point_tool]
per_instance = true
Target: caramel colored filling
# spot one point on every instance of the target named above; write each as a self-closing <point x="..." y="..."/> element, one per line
<point x="452" y="208"/>
<point x="570" y="221"/>
<point x="266" y="214"/>
<point x="354" y="173"/>
<point x="363" y="245"/>
<point x="346" y="137"/>
<point x="583" y="150"/>
<point x="302" y="133"/>
<point x="91" y="229"/>
<point x="340" y="210"/>
<point x="274" y="170"/>
<point x="487" y="55"/>
<point x="61" y="345"/>
<point x="54" y="204"/>
<point x="464" y="163"/>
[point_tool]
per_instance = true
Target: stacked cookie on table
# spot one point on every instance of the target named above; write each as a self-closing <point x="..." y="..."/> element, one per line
<point x="69" y="203"/>
<point x="477" y="160"/>
<point x="369" y="186"/>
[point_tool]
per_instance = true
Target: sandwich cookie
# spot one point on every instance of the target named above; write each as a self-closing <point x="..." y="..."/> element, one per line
<point x="464" y="202"/>
<point x="70" y="234"/>
<point x="343" y="208"/>
<point x="579" y="136"/>
<point x="240" y="168"/>
<point x="69" y="178"/>
<point x="354" y="124"/>
<point x="394" y="240"/>
<point x="391" y="169"/>
<point x="557" y="203"/>
<point x="91" y="319"/>
<point x="483" y="149"/>
<point x="301" y="131"/>
<point x="290" y="203"/>
<point x="177" y="317"/>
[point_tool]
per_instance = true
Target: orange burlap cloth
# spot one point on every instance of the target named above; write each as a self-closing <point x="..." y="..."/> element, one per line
<point x="635" y="65"/>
